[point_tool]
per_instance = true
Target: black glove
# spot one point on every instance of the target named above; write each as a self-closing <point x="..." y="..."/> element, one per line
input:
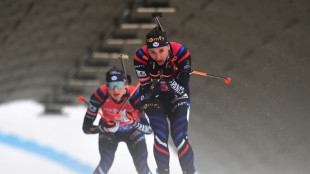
<point x="150" y="93"/>
<point x="167" y="69"/>
<point x="153" y="70"/>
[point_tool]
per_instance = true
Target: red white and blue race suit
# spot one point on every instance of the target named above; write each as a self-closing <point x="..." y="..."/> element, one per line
<point x="168" y="99"/>
<point x="133" y="136"/>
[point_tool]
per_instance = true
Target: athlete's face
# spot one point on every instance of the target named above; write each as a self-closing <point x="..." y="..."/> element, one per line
<point x="116" y="90"/>
<point x="160" y="54"/>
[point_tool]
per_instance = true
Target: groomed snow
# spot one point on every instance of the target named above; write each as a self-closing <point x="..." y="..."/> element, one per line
<point x="31" y="142"/>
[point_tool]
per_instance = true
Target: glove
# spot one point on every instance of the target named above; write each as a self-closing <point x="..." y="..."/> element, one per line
<point x="127" y="117"/>
<point x="111" y="126"/>
<point x="150" y="92"/>
<point x="167" y="69"/>
<point x="144" y="124"/>
<point x="153" y="70"/>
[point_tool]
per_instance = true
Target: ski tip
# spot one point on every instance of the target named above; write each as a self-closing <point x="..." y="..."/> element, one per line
<point x="227" y="80"/>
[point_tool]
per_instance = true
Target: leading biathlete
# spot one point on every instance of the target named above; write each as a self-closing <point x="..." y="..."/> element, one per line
<point x="163" y="68"/>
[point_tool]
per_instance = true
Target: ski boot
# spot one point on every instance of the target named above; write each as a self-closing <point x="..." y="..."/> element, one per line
<point x="192" y="171"/>
<point x="162" y="171"/>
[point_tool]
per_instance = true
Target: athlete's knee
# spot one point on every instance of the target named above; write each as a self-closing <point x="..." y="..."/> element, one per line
<point x="161" y="135"/>
<point x="179" y="137"/>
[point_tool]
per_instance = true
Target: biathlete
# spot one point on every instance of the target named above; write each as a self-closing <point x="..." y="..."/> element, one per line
<point x="130" y="126"/>
<point x="163" y="69"/>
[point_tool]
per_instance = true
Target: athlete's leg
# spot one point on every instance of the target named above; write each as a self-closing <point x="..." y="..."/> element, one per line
<point x="138" y="150"/>
<point x="107" y="147"/>
<point x="156" y="113"/>
<point x="179" y="124"/>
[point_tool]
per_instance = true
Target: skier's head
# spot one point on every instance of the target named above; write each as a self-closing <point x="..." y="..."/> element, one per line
<point x="116" y="84"/>
<point x="158" y="45"/>
<point x="156" y="38"/>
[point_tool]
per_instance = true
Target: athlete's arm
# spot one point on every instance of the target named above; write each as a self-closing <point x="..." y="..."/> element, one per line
<point x="95" y="102"/>
<point x="179" y="84"/>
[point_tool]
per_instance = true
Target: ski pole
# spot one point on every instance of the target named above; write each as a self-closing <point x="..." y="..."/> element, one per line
<point x="131" y="94"/>
<point x="155" y="15"/>
<point x="81" y="99"/>
<point x="226" y="79"/>
<point x="123" y="57"/>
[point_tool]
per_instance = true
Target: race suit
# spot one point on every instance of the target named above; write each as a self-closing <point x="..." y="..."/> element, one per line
<point x="133" y="136"/>
<point x="168" y="98"/>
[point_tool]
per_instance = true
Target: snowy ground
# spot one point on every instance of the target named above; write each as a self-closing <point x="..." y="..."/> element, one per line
<point x="31" y="142"/>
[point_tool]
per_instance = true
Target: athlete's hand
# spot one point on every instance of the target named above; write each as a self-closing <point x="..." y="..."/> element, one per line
<point x="127" y="117"/>
<point x="111" y="126"/>
<point x="153" y="70"/>
<point x="167" y="69"/>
